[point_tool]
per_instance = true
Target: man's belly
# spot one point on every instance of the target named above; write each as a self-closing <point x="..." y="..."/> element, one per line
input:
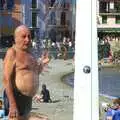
<point x="27" y="83"/>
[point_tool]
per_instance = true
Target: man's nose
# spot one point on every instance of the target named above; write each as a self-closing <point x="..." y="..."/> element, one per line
<point x="27" y="39"/>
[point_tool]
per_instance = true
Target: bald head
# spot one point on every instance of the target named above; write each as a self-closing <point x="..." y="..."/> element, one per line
<point x="19" y="29"/>
<point x="22" y="37"/>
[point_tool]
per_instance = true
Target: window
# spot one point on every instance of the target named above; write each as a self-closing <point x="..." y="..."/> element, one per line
<point x="2" y="4"/>
<point x="10" y="4"/>
<point x="102" y="7"/>
<point x="6" y="4"/>
<point x="118" y="19"/>
<point x="34" y="4"/>
<point x="34" y="19"/>
<point x="104" y="19"/>
<point x="52" y="35"/>
<point x="117" y="6"/>
<point x="63" y="18"/>
<point x="52" y="20"/>
<point x="51" y="2"/>
<point x="63" y="3"/>
<point x="111" y="5"/>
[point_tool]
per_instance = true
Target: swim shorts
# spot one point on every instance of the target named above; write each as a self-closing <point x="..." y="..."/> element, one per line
<point x="24" y="103"/>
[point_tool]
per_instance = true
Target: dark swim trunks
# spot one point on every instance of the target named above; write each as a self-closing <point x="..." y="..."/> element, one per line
<point x="24" y="103"/>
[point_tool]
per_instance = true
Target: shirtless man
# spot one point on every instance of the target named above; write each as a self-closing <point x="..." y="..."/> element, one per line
<point x="21" y="74"/>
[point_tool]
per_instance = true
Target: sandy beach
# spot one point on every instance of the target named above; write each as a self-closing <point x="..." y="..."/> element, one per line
<point x="61" y="93"/>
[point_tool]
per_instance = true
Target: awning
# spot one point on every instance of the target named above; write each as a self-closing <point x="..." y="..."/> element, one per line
<point x="112" y="30"/>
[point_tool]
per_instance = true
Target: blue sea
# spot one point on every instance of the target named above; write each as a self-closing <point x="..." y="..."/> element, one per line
<point x="109" y="82"/>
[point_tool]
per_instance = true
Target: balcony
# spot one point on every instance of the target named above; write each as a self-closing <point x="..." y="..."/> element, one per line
<point x="116" y="30"/>
<point x="108" y="26"/>
<point x="63" y="6"/>
<point x="57" y="26"/>
<point x="35" y="9"/>
<point x="109" y="7"/>
<point x="34" y="28"/>
<point x="109" y="12"/>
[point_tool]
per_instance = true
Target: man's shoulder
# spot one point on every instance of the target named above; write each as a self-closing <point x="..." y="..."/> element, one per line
<point x="10" y="54"/>
<point x="11" y="51"/>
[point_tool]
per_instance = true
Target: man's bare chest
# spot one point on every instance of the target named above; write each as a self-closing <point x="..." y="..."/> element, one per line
<point x="25" y="61"/>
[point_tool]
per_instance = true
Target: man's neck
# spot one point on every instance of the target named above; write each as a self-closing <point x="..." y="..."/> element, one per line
<point x="19" y="49"/>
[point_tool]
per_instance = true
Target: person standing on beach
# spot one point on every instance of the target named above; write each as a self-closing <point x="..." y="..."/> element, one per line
<point x="21" y="74"/>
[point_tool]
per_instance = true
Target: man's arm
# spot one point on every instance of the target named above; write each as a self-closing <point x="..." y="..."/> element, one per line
<point x="9" y="64"/>
<point x="43" y="61"/>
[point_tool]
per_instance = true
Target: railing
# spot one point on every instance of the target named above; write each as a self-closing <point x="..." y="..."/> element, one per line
<point x="114" y="11"/>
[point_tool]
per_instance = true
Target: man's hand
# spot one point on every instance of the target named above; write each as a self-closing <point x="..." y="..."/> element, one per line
<point x="45" y="58"/>
<point x="13" y="112"/>
<point x="43" y="61"/>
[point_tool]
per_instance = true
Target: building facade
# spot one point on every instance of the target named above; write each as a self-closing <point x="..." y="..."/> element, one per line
<point x="108" y="28"/>
<point x="10" y="17"/>
<point x="51" y="19"/>
<point x="108" y="19"/>
<point x="16" y="12"/>
<point x="59" y="19"/>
